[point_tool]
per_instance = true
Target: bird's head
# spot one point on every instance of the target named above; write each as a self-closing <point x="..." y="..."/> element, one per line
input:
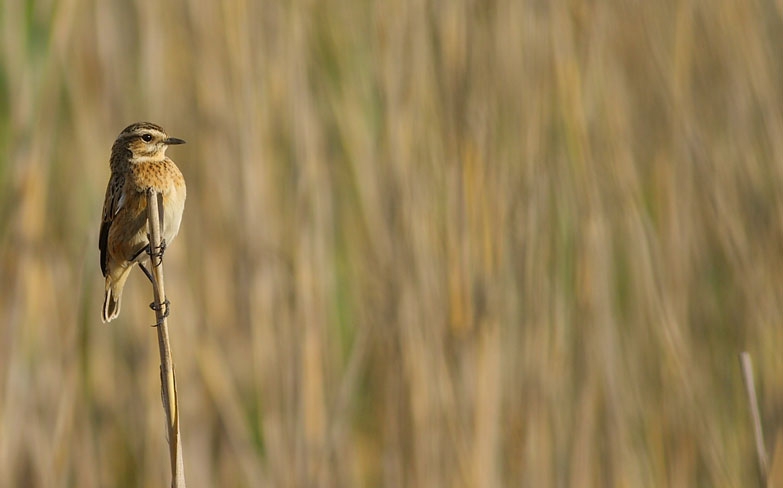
<point x="143" y="140"/>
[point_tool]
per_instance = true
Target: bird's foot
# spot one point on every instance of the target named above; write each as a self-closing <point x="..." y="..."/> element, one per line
<point x="156" y="254"/>
<point x="164" y="308"/>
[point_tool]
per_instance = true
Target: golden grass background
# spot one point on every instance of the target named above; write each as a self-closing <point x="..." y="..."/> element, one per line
<point x="426" y="243"/>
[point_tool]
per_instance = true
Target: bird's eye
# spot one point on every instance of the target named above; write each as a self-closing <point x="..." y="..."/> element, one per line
<point x="146" y="137"/>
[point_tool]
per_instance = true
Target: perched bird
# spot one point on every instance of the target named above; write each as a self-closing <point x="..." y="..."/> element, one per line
<point x="138" y="162"/>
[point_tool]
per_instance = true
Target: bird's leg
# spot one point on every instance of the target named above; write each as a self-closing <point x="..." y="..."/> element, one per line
<point x="156" y="258"/>
<point x="147" y="273"/>
<point x="165" y="306"/>
<point x="158" y="254"/>
<point x="138" y="253"/>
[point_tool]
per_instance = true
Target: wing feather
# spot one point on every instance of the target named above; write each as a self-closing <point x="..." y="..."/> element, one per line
<point x="111" y="205"/>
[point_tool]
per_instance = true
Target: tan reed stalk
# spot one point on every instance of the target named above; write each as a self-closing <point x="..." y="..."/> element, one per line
<point x="747" y="376"/>
<point x="168" y="386"/>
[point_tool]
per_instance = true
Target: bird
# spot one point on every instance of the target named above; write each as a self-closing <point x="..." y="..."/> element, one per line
<point x="138" y="162"/>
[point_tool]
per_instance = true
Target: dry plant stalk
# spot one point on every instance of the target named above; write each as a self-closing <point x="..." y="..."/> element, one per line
<point x="168" y="387"/>
<point x="750" y="388"/>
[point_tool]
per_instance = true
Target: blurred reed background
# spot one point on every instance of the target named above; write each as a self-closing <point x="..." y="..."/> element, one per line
<point x="427" y="243"/>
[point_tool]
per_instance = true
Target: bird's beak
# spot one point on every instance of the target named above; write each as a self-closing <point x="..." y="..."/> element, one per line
<point x="171" y="141"/>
